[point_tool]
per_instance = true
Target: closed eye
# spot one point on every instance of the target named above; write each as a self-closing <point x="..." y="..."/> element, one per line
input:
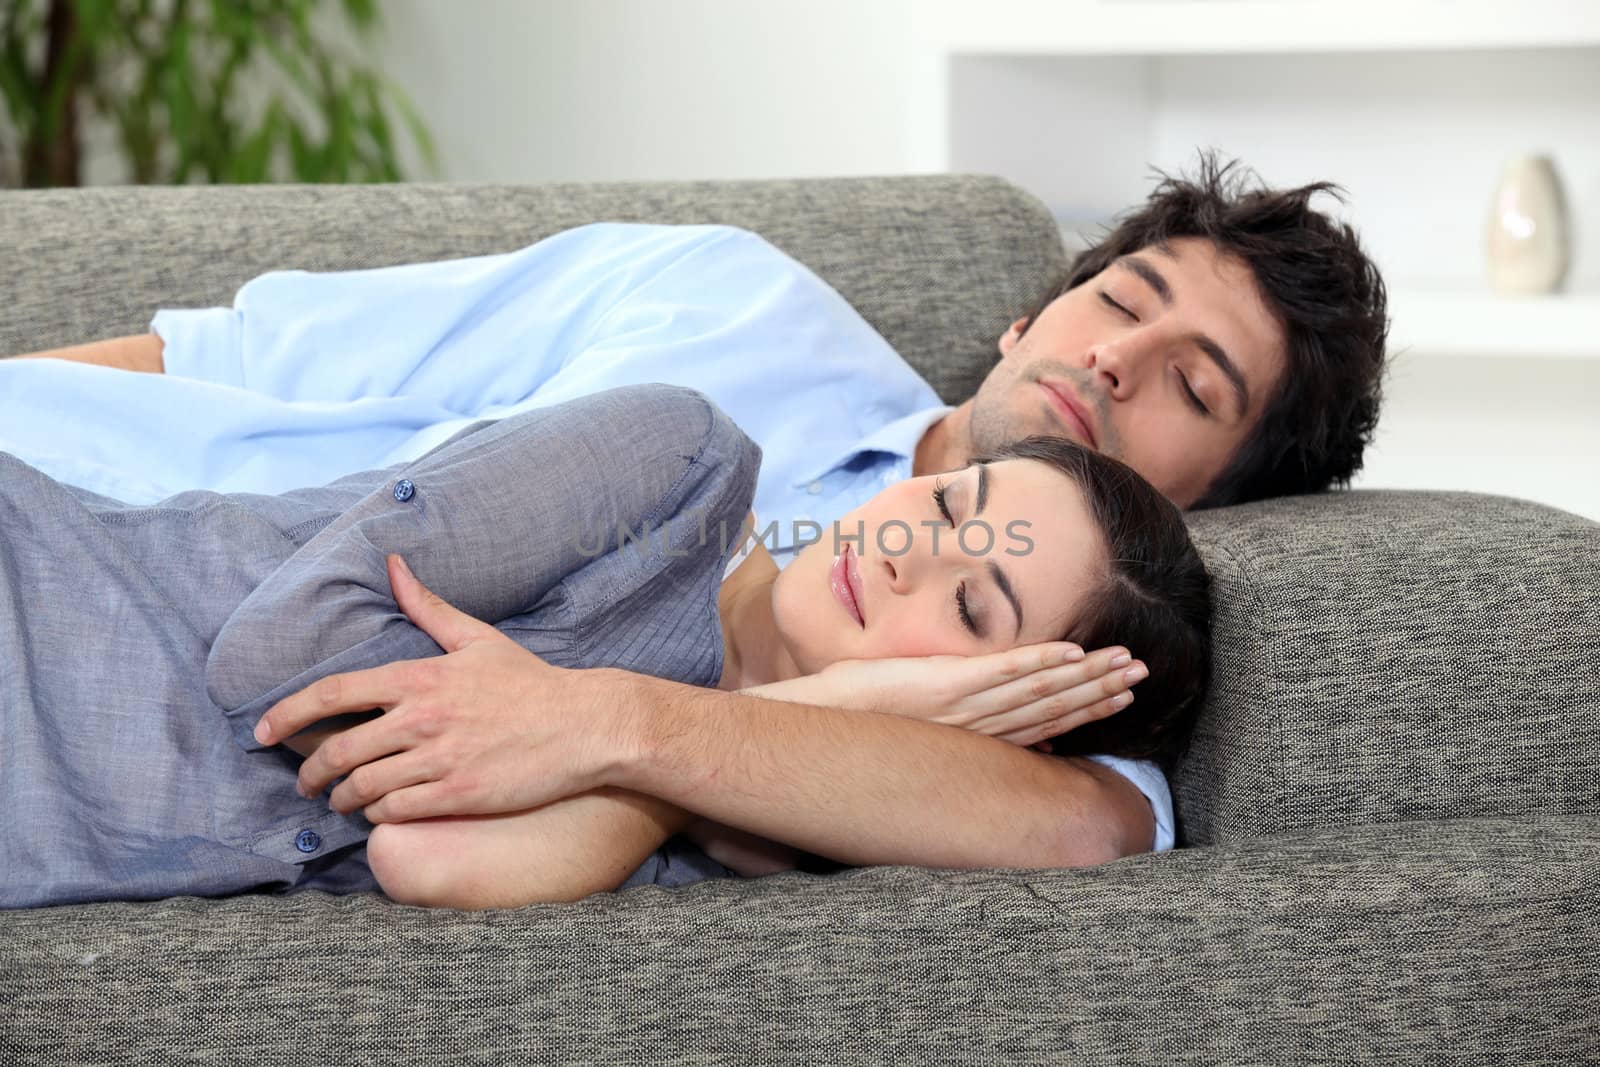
<point x="938" y="498"/>
<point x="962" y="611"/>
<point x="1193" y="397"/>
<point x="1106" y="297"/>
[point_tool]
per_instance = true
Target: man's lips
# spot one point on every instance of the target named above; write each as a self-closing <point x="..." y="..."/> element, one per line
<point x="845" y="581"/>
<point x="1070" y="410"/>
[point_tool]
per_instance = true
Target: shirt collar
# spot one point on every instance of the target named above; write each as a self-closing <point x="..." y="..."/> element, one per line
<point x="899" y="438"/>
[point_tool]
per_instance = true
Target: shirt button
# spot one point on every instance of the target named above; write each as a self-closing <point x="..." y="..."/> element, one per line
<point x="403" y="490"/>
<point x="307" y="840"/>
<point x="814" y="488"/>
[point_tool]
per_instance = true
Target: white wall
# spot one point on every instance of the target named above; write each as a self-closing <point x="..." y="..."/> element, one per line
<point x="613" y="90"/>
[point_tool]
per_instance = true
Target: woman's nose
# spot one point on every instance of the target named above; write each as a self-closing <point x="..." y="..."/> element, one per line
<point x="896" y="581"/>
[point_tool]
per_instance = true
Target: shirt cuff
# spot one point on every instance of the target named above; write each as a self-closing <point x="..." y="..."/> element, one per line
<point x="1149" y="780"/>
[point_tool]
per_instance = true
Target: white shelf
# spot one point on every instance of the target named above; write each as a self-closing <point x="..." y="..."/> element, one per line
<point x="1482" y="324"/>
<point x="1178" y="27"/>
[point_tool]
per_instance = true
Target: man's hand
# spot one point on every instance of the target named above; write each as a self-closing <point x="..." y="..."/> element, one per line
<point x="1022" y="695"/>
<point x="457" y="736"/>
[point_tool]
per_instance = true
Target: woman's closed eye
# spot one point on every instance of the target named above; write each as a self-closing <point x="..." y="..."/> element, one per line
<point x="1190" y="395"/>
<point x="962" y="611"/>
<point x="939" y="500"/>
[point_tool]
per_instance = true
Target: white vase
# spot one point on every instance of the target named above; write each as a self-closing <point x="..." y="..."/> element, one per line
<point x="1528" y="245"/>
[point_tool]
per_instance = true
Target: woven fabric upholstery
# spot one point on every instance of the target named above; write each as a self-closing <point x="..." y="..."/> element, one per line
<point x="1383" y="656"/>
<point x="1363" y="945"/>
<point x="939" y="265"/>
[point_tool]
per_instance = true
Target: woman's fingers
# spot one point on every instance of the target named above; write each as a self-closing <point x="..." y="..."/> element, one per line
<point x="1063" y="698"/>
<point x="973" y="681"/>
<point x="1008" y="695"/>
<point x="1048" y="724"/>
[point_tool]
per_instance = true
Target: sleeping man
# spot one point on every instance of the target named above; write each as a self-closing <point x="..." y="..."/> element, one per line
<point x="1225" y="341"/>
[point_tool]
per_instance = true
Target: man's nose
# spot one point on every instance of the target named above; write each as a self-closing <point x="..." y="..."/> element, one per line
<point x="1119" y="364"/>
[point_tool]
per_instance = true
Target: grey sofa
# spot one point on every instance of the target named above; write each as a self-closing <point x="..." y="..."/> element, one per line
<point x="1391" y="811"/>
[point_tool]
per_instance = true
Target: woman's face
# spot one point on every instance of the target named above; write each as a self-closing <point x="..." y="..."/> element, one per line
<point x="1008" y="560"/>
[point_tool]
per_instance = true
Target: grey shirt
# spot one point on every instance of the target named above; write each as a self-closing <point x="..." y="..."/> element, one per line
<point x="142" y="644"/>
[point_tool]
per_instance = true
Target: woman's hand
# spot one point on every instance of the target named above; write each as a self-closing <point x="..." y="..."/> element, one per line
<point x="1023" y="695"/>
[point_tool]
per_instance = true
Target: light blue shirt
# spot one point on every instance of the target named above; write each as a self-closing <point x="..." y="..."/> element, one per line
<point x="309" y="376"/>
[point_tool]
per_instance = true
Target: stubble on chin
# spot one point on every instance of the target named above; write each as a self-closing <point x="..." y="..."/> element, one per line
<point x="1010" y="409"/>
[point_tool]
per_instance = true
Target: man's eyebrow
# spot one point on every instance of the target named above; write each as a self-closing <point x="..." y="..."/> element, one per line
<point x="1230" y="370"/>
<point x="995" y="572"/>
<point x="1152" y="277"/>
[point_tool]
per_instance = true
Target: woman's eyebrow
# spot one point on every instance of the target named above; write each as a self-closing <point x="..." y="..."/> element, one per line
<point x="999" y="576"/>
<point x="1010" y="594"/>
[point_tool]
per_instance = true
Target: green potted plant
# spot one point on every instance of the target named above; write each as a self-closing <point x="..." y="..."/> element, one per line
<point x="199" y="91"/>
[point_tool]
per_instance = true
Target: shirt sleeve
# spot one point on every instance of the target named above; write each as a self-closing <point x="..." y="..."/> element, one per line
<point x="467" y="333"/>
<point x="1149" y="780"/>
<point x="492" y="521"/>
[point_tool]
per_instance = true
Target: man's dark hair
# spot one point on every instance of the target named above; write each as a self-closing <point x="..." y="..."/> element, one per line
<point x="1326" y="295"/>
<point x="1154" y="596"/>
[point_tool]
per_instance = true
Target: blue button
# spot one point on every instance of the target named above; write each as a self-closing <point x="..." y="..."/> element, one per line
<point x="403" y="490"/>
<point x="307" y="840"/>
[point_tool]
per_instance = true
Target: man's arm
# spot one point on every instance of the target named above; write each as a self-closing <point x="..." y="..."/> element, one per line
<point x="862" y="788"/>
<point x="491" y="728"/>
<point x="139" y="353"/>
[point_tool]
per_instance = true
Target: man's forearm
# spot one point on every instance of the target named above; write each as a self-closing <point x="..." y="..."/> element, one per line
<point x="863" y="788"/>
<point x="140" y="353"/>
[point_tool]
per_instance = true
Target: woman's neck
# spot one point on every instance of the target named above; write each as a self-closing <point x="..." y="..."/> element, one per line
<point x="753" y="650"/>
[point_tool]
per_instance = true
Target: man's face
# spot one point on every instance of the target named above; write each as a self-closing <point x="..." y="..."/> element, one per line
<point x="1164" y="360"/>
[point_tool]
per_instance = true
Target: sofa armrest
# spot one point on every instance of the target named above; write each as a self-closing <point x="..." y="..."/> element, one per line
<point x="1394" y="656"/>
<point x="1466" y="941"/>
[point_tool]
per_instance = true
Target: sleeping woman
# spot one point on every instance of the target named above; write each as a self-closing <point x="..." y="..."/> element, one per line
<point x="143" y="643"/>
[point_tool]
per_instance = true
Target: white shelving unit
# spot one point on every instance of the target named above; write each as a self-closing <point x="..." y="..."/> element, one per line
<point x="1433" y="323"/>
<point x="1413" y="106"/>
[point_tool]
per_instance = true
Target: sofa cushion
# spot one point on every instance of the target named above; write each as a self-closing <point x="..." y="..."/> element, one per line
<point x="1463" y="942"/>
<point x="939" y="265"/>
<point x="1386" y="656"/>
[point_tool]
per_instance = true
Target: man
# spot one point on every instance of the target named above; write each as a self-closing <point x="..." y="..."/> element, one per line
<point x="1225" y="342"/>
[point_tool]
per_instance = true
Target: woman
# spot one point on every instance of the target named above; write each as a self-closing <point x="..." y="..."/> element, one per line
<point x="146" y="642"/>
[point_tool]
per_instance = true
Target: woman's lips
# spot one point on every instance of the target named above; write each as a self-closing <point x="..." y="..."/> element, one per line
<point x="845" y="581"/>
<point x="1071" y="412"/>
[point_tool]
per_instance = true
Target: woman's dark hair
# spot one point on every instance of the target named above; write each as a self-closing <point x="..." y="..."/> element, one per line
<point x="1154" y="597"/>
<point x="1325" y="293"/>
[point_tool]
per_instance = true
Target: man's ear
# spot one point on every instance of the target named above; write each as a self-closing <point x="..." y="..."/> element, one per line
<point x="1008" y="340"/>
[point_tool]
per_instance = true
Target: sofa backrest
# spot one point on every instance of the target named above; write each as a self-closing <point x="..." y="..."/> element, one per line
<point x="1390" y="656"/>
<point x="939" y="265"/>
